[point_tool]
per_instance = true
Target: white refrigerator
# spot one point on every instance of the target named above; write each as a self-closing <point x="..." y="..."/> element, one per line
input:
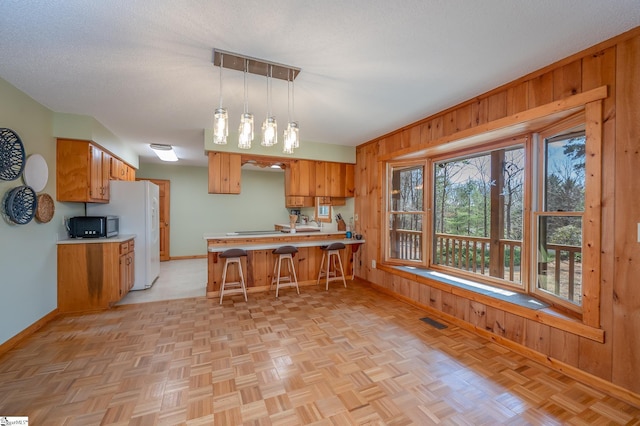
<point x="137" y="205"/>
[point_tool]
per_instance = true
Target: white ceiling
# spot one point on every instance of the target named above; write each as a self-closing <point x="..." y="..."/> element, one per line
<point x="143" y="68"/>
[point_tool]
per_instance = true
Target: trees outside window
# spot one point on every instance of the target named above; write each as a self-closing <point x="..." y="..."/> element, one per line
<point x="559" y="218"/>
<point x="406" y="213"/>
<point x="478" y="213"/>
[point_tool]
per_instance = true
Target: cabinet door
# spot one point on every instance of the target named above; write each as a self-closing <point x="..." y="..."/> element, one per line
<point x="131" y="271"/>
<point x="123" y="288"/>
<point x="224" y="173"/>
<point x="115" y="169"/>
<point x="322" y="179"/>
<point x="104" y="181"/>
<point x="73" y="167"/>
<point x="127" y="268"/>
<point x="95" y="174"/>
<point x="299" y="178"/>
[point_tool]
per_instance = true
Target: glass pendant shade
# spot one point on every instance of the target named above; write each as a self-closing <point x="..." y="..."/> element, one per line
<point x="291" y="135"/>
<point x="294" y="134"/>
<point x="269" y="132"/>
<point x="245" y="131"/>
<point x="220" y="126"/>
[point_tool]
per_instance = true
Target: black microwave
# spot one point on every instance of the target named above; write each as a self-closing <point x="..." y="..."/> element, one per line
<point x="93" y="226"/>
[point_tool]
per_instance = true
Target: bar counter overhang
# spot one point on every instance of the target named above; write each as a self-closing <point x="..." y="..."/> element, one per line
<point x="258" y="265"/>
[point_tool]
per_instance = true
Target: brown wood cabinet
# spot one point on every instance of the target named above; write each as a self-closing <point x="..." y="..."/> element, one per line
<point x="94" y="276"/>
<point x="224" y="173"/>
<point x="83" y="171"/>
<point x="319" y="179"/>
<point x="298" y="201"/>
<point x="127" y="267"/>
<point x="331" y="201"/>
<point x="119" y="170"/>
<point x="299" y="178"/>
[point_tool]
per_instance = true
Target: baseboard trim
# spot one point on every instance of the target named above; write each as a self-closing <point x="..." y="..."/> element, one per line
<point x="12" y="342"/>
<point x="195" y="256"/>
<point x="571" y="371"/>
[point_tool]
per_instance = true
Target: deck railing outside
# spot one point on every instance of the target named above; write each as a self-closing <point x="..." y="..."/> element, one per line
<point x="560" y="273"/>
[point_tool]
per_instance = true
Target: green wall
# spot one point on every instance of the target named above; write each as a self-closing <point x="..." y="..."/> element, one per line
<point x="28" y="271"/>
<point x="195" y="212"/>
<point x="308" y="150"/>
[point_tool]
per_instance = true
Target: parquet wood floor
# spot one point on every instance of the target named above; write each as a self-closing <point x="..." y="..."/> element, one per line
<point x="347" y="356"/>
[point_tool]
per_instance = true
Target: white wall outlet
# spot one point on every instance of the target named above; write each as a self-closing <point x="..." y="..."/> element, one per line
<point x="373" y="263"/>
<point x="355" y="217"/>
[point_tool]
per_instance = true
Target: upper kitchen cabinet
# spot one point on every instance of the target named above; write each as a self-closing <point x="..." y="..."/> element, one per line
<point x="308" y="178"/>
<point x="119" y="170"/>
<point x="299" y="178"/>
<point x="334" y="179"/>
<point x="82" y="172"/>
<point x="224" y="173"/>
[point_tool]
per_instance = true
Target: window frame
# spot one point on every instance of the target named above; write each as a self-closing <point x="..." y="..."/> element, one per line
<point x="563" y="128"/>
<point x="390" y="165"/>
<point x="452" y="155"/>
<point x="591" y="116"/>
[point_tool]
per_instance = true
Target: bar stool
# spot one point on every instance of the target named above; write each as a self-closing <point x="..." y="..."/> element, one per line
<point x="285" y="253"/>
<point x="233" y="256"/>
<point x="331" y="253"/>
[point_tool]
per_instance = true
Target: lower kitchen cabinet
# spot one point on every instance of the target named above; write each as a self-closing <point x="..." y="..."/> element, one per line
<point x="94" y="275"/>
<point x="127" y="267"/>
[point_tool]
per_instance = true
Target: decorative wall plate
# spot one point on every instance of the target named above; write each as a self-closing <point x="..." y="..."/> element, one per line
<point x="20" y="204"/>
<point x="36" y="172"/>
<point x="46" y="208"/>
<point x="11" y="155"/>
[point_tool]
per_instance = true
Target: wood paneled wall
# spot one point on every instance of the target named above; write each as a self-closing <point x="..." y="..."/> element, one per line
<point x="616" y="64"/>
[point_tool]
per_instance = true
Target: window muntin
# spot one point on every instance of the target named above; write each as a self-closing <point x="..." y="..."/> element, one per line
<point x="405" y="213"/>
<point x="559" y="221"/>
<point x="478" y="214"/>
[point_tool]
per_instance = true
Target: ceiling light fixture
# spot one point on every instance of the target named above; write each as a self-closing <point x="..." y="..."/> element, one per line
<point x="292" y="132"/>
<point x="220" y="116"/>
<point x="246" y="64"/>
<point x="164" y="152"/>
<point x="269" y="126"/>
<point x="245" y="130"/>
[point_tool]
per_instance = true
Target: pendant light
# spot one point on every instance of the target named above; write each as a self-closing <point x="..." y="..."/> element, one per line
<point x="292" y="132"/>
<point x="220" y="116"/>
<point x="270" y="126"/>
<point x="246" y="119"/>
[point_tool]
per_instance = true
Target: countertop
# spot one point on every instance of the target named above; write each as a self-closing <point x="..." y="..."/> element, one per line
<point x="117" y="239"/>
<point x="275" y="244"/>
<point x="263" y="234"/>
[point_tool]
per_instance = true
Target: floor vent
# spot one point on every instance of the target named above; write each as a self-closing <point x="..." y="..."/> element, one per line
<point x="433" y="323"/>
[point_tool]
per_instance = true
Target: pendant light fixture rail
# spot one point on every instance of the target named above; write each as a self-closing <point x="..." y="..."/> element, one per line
<point x="236" y="61"/>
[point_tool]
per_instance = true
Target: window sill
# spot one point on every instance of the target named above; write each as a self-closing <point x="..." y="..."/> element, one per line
<point x="526" y="307"/>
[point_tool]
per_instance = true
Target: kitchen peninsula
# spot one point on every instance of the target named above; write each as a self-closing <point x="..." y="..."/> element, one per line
<point x="258" y="265"/>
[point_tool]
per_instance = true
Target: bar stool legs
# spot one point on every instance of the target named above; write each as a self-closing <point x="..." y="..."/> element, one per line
<point x="331" y="253"/>
<point x="233" y="256"/>
<point x="284" y="253"/>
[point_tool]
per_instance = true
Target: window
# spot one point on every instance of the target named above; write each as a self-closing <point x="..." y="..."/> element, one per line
<point x="510" y="214"/>
<point x="406" y="213"/>
<point x="323" y="210"/>
<point x="559" y="217"/>
<point x="478" y="214"/>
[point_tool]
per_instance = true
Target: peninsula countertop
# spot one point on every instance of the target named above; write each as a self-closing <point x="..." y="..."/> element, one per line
<point x="266" y="234"/>
<point x="265" y="240"/>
